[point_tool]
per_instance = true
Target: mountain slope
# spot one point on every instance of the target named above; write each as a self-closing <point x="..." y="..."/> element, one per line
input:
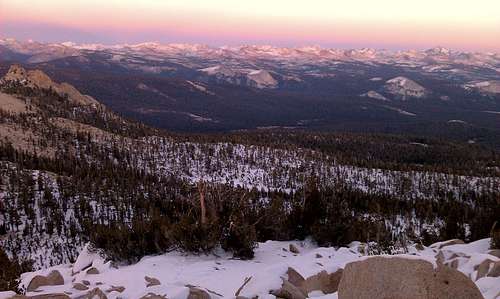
<point x="74" y="173"/>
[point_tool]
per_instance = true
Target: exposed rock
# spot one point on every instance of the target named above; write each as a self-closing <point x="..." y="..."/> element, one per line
<point x="440" y="258"/>
<point x="318" y="256"/>
<point x="495" y="270"/>
<point x="92" y="271"/>
<point x="293" y="249"/>
<point x="80" y="287"/>
<point x="397" y="277"/>
<point x="405" y="87"/>
<point x="37" y="78"/>
<point x="54" y="278"/>
<point x="94" y="294"/>
<point x="454" y="264"/>
<point x="196" y="293"/>
<point x="118" y="289"/>
<point x="151" y="281"/>
<point x="288" y="291"/>
<point x="483" y="268"/>
<point x="294" y="277"/>
<point x="327" y="283"/>
<point x="86" y="282"/>
<point x="261" y="79"/>
<point x="495" y="252"/>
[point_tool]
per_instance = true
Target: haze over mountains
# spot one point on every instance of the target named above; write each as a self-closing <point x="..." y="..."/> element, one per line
<point x="197" y="88"/>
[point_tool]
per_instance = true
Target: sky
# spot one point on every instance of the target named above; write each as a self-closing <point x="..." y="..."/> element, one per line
<point x="391" y="24"/>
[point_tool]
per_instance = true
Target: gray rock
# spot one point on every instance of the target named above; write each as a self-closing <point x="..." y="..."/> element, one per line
<point x="398" y="278"/>
<point x="293" y="249"/>
<point x="483" y="268"/>
<point x="151" y="281"/>
<point x="288" y="291"/>
<point x="92" y="271"/>
<point x="54" y="278"/>
<point x="80" y="287"/>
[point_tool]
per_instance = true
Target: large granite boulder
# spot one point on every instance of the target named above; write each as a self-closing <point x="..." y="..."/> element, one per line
<point x="400" y="277"/>
<point x="54" y="278"/>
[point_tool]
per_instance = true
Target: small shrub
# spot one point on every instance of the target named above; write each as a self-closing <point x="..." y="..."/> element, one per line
<point x="241" y="240"/>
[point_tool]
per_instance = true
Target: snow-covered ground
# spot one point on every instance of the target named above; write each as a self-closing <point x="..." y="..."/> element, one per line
<point x="221" y="275"/>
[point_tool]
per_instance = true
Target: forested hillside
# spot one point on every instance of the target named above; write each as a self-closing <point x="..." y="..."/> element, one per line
<point x="74" y="171"/>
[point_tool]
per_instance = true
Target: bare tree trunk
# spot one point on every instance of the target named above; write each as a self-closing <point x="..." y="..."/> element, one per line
<point x="201" y="190"/>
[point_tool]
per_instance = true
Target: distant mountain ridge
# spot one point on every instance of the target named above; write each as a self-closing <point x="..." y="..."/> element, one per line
<point x="43" y="52"/>
<point x="199" y="88"/>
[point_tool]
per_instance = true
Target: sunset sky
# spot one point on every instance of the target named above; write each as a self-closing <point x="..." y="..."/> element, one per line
<point x="470" y="25"/>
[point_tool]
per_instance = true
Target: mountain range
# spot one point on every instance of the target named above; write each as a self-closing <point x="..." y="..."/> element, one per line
<point x="197" y="88"/>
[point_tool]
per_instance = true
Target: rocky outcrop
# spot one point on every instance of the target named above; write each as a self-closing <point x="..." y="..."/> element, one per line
<point x="404" y="87"/>
<point x="37" y="78"/>
<point x="54" y="278"/>
<point x="397" y="277"/>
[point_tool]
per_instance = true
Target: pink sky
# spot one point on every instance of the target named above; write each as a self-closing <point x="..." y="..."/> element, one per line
<point x="471" y="25"/>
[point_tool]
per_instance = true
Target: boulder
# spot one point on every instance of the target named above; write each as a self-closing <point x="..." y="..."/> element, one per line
<point x="53" y="279"/>
<point x="495" y="270"/>
<point x="293" y="249"/>
<point x="151" y="281"/>
<point x="288" y="291"/>
<point x="294" y="277"/>
<point x="80" y="287"/>
<point x="495" y="252"/>
<point x="118" y="289"/>
<point x="327" y="283"/>
<point x="92" y="271"/>
<point x="196" y="293"/>
<point x="94" y="294"/>
<point x="400" y="277"/>
<point x="483" y="268"/>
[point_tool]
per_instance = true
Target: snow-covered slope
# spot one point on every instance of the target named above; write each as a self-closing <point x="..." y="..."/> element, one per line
<point x="262" y="79"/>
<point x="404" y="87"/>
<point x="220" y="276"/>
